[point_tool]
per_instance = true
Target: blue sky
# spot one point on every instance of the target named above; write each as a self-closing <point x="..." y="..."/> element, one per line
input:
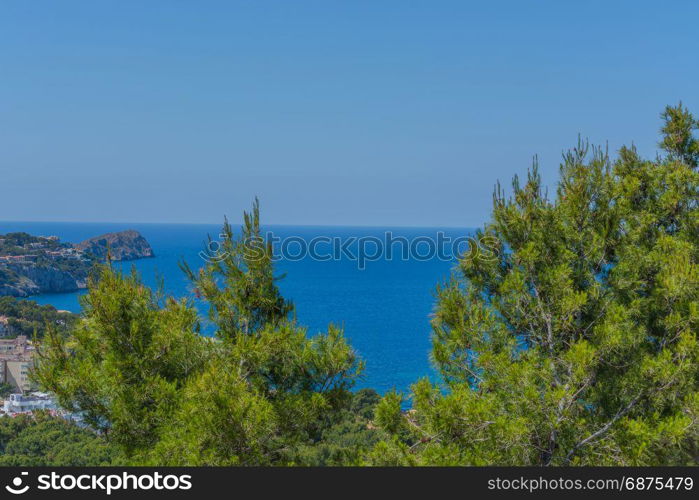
<point x="347" y="113"/>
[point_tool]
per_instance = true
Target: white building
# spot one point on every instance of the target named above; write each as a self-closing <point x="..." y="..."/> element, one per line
<point x="18" y="403"/>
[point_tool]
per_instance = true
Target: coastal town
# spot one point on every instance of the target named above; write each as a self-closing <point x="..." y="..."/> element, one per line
<point x="31" y="265"/>
<point x="40" y="249"/>
<point x="17" y="356"/>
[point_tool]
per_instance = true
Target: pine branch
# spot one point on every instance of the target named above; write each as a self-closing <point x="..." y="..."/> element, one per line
<point x="602" y="430"/>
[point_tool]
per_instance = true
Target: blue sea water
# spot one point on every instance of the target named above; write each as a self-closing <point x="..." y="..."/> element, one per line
<point x="384" y="308"/>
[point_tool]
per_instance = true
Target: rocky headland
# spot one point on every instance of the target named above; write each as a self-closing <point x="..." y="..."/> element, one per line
<point x="124" y="245"/>
<point x="31" y="265"/>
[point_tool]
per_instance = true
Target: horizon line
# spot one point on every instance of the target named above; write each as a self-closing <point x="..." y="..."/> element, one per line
<point x="368" y="226"/>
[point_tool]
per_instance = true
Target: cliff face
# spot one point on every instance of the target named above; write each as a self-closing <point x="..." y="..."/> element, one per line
<point x="31" y="265"/>
<point x="124" y="245"/>
<point x="33" y="280"/>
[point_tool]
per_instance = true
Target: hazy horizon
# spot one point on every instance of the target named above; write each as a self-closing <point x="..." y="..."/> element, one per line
<point x="233" y="222"/>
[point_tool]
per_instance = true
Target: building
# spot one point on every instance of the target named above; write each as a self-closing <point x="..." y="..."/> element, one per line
<point x="16" y="346"/>
<point x="5" y="328"/>
<point x="19" y="403"/>
<point x="16" y="361"/>
<point x="16" y="373"/>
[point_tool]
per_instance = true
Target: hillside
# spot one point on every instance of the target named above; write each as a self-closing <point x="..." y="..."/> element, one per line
<point x="31" y="265"/>
<point x="124" y="245"/>
<point x="26" y="317"/>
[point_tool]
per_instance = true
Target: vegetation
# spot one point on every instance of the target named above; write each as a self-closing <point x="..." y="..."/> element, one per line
<point x="577" y="344"/>
<point x="143" y="376"/>
<point x="6" y="389"/>
<point x="26" y="317"/>
<point x="7" y="275"/>
<point x="20" y="243"/>
<point x="574" y="344"/>
<point x="43" y="440"/>
<point x="347" y="438"/>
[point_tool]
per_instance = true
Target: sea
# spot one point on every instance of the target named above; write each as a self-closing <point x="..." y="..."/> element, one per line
<point x="383" y="301"/>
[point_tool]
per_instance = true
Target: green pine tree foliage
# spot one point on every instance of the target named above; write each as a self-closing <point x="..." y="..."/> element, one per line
<point x="575" y="342"/>
<point x="127" y="360"/>
<point x="270" y="388"/>
<point x="238" y="281"/>
<point x="141" y="374"/>
<point x="43" y="440"/>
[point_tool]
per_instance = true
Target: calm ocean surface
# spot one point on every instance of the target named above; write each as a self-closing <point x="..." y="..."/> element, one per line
<point x="384" y="308"/>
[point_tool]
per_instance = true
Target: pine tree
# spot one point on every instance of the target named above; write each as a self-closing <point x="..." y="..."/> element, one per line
<point x="124" y="364"/>
<point x="577" y="344"/>
<point x="269" y="387"/>
<point x="140" y="373"/>
<point x="239" y="283"/>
